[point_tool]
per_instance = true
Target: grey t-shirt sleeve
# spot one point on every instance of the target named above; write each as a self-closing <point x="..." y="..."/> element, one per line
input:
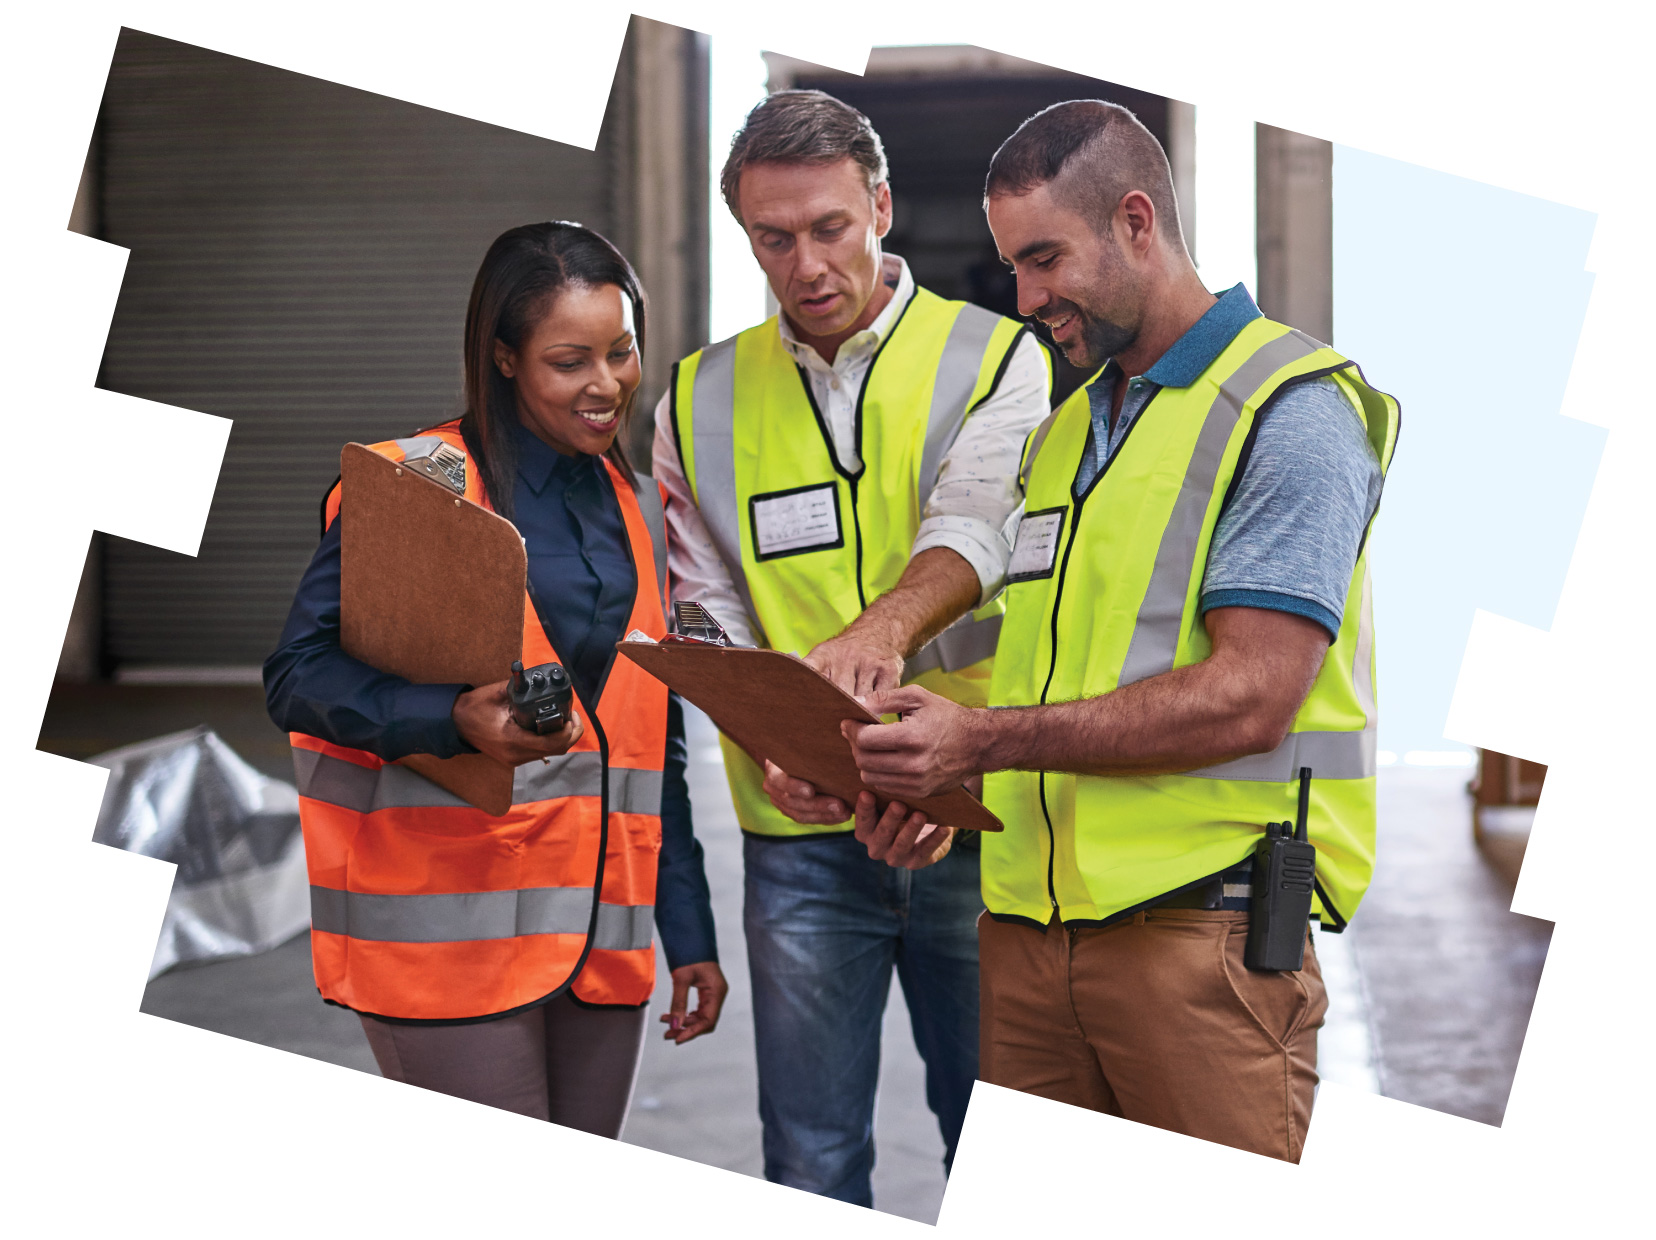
<point x="1289" y="539"/>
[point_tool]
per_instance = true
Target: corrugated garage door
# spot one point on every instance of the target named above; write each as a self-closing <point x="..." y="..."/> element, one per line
<point x="301" y="257"/>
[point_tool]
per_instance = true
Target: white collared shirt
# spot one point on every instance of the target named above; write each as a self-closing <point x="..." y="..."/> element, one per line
<point x="976" y="490"/>
<point x="837" y="385"/>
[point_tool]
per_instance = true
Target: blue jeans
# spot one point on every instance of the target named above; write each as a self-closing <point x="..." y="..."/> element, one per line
<point x="825" y="924"/>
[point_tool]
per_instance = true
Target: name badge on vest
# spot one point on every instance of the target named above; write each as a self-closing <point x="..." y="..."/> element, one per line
<point x="796" y="521"/>
<point x="1036" y="550"/>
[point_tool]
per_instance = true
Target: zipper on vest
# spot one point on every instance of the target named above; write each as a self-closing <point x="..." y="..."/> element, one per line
<point x="1077" y="501"/>
<point x="856" y="441"/>
<point x="603" y="847"/>
<point x="603" y="785"/>
<point x="851" y="479"/>
<point x="856" y="529"/>
<point x="1052" y="669"/>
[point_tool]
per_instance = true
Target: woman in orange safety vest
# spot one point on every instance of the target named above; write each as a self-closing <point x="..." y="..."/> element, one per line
<point x="510" y="959"/>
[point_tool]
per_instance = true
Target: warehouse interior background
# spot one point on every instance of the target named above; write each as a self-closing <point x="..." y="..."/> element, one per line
<point x="301" y="254"/>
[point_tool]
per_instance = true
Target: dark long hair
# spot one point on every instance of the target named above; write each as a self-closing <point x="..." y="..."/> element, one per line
<point x="522" y="275"/>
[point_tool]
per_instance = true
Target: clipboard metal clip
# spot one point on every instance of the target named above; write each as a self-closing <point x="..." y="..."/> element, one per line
<point x="694" y="623"/>
<point x="439" y="461"/>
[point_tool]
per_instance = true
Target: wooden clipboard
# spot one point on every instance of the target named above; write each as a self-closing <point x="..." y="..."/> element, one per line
<point x="775" y="706"/>
<point x="431" y="589"/>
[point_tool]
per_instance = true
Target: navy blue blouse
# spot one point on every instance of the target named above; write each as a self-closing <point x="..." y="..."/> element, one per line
<point x="582" y="580"/>
<point x="580" y="568"/>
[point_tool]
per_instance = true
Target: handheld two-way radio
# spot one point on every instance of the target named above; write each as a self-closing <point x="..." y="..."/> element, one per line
<point x="540" y="697"/>
<point x="1284" y="874"/>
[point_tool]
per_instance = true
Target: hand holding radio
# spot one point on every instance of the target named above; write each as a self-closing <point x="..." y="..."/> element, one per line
<point x="540" y="698"/>
<point x="536" y="721"/>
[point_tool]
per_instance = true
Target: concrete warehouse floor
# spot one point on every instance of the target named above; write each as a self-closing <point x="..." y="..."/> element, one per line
<point x="1430" y="990"/>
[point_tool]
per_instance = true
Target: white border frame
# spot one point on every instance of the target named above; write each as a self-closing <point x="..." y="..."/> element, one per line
<point x="118" y="1118"/>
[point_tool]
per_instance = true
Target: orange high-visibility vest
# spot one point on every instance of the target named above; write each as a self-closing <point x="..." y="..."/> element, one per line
<point x="426" y="908"/>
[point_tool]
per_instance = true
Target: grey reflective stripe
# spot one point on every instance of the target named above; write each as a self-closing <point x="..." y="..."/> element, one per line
<point x="962" y="644"/>
<point x="1161" y="613"/>
<point x="322" y="777"/>
<point x="623" y="927"/>
<point x="634" y="791"/>
<point x="335" y="781"/>
<point x="957" y="375"/>
<point x="1035" y="441"/>
<point x="1362" y="659"/>
<point x="1330" y="755"/>
<point x="713" y="435"/>
<point x="567" y="775"/>
<point x="655" y="520"/>
<point x="473" y="916"/>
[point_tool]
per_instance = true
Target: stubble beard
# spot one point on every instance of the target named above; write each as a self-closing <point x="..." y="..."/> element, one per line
<point x="1102" y="337"/>
<point x="1100" y="340"/>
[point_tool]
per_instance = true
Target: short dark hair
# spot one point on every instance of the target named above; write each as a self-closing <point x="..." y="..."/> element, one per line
<point x="1096" y="153"/>
<point x="525" y="271"/>
<point x="802" y="127"/>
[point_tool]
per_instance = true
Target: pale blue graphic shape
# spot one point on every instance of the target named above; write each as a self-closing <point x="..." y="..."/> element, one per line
<point x="1465" y="302"/>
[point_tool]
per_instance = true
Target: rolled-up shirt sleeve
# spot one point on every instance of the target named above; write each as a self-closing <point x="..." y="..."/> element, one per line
<point x="312" y="686"/>
<point x="977" y="487"/>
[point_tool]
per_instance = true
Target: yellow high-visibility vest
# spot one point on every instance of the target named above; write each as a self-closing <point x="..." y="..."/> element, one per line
<point x="808" y="543"/>
<point x="1104" y="590"/>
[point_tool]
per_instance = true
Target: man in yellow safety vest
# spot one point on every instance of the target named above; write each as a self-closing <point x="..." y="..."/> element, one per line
<point x="839" y="479"/>
<point x="1188" y="624"/>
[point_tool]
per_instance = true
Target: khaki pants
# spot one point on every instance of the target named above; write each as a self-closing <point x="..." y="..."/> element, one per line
<point x="1155" y="1020"/>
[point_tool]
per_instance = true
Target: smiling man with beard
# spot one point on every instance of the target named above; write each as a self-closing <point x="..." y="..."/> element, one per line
<point x="1188" y="624"/>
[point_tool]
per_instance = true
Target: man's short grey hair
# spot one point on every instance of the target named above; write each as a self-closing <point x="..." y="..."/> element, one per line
<point x="802" y="127"/>
<point x="1094" y="154"/>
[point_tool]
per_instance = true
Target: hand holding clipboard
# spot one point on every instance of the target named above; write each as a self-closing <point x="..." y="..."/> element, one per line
<point x="780" y="710"/>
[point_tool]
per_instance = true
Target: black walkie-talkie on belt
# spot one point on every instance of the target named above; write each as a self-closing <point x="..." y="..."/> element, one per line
<point x="1284" y="873"/>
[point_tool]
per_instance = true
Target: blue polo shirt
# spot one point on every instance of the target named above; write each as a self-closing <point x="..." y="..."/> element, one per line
<point x="1290" y="536"/>
<point x="582" y="579"/>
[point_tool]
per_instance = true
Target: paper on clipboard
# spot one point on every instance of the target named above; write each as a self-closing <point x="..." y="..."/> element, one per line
<point x="777" y="707"/>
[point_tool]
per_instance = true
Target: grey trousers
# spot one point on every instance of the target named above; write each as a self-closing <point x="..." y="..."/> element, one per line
<point x="561" y="1062"/>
